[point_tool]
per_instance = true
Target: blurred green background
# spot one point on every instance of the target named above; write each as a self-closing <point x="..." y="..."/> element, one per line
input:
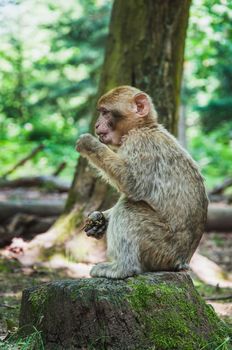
<point x="51" y="52"/>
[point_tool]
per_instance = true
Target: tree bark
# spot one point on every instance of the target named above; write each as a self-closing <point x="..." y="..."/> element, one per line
<point x="145" y="48"/>
<point x="152" y="311"/>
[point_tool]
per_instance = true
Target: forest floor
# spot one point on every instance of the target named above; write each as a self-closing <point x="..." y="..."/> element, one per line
<point x="14" y="277"/>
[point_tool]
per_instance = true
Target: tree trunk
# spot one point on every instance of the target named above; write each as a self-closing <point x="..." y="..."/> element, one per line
<point x="145" y="49"/>
<point x="182" y="137"/>
<point x="154" y="311"/>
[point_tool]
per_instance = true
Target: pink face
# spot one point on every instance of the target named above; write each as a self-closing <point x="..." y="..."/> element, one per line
<point x="105" y="128"/>
<point x="112" y="125"/>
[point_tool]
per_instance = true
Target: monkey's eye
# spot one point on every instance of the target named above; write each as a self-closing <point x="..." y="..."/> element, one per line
<point x="103" y="111"/>
<point x="110" y="124"/>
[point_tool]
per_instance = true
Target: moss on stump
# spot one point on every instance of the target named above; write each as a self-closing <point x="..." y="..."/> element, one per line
<point x="156" y="311"/>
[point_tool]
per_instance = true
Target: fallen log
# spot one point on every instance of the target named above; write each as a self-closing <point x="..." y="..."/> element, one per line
<point x="152" y="311"/>
<point x="39" y="207"/>
<point x="26" y="226"/>
<point x="219" y="218"/>
<point x="221" y="187"/>
<point x="49" y="182"/>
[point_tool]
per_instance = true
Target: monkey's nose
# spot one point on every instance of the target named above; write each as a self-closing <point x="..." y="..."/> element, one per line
<point x="97" y="125"/>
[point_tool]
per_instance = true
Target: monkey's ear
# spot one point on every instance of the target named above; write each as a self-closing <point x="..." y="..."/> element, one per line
<point x="142" y="104"/>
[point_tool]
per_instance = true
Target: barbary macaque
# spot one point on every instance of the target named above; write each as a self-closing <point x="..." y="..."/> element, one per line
<point x="159" y="219"/>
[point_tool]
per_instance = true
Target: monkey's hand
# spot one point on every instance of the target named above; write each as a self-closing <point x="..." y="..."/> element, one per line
<point x="87" y="143"/>
<point x="95" y="225"/>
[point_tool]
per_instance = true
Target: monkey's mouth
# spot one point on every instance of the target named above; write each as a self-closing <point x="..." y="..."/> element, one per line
<point x="104" y="138"/>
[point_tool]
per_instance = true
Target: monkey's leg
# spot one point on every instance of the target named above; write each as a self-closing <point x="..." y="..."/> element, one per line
<point x="122" y="244"/>
<point x="126" y="262"/>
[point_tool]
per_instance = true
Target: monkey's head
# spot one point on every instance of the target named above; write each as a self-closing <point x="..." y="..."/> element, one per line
<point x="121" y="110"/>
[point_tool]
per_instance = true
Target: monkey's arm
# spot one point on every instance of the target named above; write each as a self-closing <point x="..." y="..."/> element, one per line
<point x="106" y="160"/>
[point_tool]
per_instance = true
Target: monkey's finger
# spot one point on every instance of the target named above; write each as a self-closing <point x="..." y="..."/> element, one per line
<point x="101" y="229"/>
<point x="91" y="231"/>
<point x="96" y="232"/>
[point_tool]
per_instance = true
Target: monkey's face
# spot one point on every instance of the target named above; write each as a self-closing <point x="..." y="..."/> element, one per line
<point x="109" y="127"/>
<point x="120" y="113"/>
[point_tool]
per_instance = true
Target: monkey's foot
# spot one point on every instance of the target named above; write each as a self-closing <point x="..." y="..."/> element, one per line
<point x="112" y="270"/>
<point x="184" y="267"/>
<point x="95" y="225"/>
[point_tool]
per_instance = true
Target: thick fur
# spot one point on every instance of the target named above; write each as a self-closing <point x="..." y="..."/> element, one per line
<point x="159" y="219"/>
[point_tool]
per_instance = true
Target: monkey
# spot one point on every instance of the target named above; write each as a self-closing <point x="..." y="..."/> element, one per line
<point x="159" y="218"/>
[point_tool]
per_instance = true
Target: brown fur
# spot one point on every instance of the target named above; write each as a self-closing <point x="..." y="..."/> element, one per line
<point x="160" y="216"/>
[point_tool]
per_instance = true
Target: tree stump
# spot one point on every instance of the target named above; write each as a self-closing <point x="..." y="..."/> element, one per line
<point x="151" y="311"/>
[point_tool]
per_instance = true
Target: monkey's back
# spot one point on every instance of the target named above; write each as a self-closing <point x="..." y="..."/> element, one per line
<point x="165" y="176"/>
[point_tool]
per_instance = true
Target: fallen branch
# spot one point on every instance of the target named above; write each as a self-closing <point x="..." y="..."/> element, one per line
<point x="24" y="225"/>
<point x="219" y="218"/>
<point x="59" y="169"/>
<point x="7" y="306"/>
<point x="221" y="187"/>
<point x="50" y="182"/>
<point x="39" y="207"/>
<point x="24" y="160"/>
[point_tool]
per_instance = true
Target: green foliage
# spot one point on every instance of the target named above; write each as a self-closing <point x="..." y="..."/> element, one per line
<point x="50" y="57"/>
<point x="212" y="152"/>
<point x="51" y="52"/>
<point x="216" y="114"/>
<point x="15" y="342"/>
<point x="207" y="87"/>
<point x="44" y="163"/>
<point x="209" y="61"/>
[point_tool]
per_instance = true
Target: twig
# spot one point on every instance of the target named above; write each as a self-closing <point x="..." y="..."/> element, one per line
<point x="220" y="188"/>
<point x="8" y="306"/>
<point x="24" y="160"/>
<point x="59" y="169"/>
